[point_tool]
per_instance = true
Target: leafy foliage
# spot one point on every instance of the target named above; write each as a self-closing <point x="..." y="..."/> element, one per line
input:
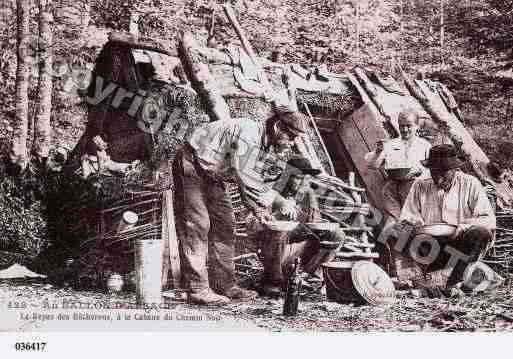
<point x="22" y="225"/>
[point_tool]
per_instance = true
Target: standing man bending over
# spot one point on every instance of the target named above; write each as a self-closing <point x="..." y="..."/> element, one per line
<point x="219" y="151"/>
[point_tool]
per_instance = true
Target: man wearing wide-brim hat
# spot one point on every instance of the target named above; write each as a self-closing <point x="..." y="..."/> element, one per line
<point x="450" y="197"/>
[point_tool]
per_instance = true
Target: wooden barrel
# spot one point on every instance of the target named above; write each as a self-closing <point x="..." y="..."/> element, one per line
<point x="339" y="283"/>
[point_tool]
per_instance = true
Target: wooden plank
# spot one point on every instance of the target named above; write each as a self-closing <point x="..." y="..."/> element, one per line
<point x="368" y="101"/>
<point x="357" y="255"/>
<point x="207" y="85"/>
<point x="469" y="145"/>
<point x="319" y="137"/>
<point x="351" y="247"/>
<point x="326" y="124"/>
<point x="343" y="210"/>
<point x="335" y="84"/>
<point x="356" y="229"/>
<point x="435" y="107"/>
<point x="171" y="259"/>
<point x="359" y="134"/>
<point x="359" y="245"/>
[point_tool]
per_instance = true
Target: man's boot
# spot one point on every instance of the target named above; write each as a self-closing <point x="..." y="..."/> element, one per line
<point x="208" y="297"/>
<point x="272" y="250"/>
<point x="239" y="294"/>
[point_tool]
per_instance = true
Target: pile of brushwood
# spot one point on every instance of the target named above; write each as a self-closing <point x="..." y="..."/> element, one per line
<point x="23" y="229"/>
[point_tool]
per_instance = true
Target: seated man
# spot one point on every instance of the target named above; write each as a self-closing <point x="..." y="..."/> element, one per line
<point x="453" y="197"/>
<point x="296" y="202"/>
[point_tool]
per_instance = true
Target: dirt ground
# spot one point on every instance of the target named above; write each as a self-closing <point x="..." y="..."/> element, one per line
<point x="486" y="312"/>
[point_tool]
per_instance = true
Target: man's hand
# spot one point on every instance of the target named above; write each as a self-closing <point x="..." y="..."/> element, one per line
<point x="100" y="144"/>
<point x="379" y="146"/>
<point x="263" y="216"/>
<point x="289" y="211"/>
<point x="460" y="228"/>
<point x="414" y="173"/>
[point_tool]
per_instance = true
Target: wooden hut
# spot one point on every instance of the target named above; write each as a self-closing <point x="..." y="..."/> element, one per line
<point x="349" y="112"/>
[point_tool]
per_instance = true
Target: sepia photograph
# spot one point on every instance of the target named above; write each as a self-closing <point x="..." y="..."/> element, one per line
<point x="265" y="166"/>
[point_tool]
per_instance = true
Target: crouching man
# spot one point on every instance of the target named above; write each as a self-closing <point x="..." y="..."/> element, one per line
<point x="452" y="197"/>
<point x="296" y="202"/>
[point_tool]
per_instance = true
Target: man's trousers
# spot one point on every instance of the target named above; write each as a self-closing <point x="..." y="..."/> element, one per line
<point x="205" y="224"/>
<point x="453" y="254"/>
<point x="394" y="196"/>
<point x="279" y="254"/>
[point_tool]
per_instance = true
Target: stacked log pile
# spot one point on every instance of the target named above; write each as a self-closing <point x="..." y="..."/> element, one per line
<point x="500" y="256"/>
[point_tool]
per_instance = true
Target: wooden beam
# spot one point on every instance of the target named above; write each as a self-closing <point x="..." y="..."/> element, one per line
<point x="357" y="255"/>
<point x="359" y="134"/>
<point x="374" y="95"/>
<point x="171" y="254"/>
<point x="448" y="123"/>
<point x="203" y="80"/>
<point x="314" y="125"/>
<point x="359" y="245"/>
<point x="357" y="229"/>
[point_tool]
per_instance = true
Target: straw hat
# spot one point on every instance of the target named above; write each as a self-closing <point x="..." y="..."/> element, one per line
<point x="373" y="283"/>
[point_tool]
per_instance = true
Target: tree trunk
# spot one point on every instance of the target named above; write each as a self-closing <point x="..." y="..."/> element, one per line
<point x="44" y="109"/>
<point x="18" y="153"/>
<point x="134" y="23"/>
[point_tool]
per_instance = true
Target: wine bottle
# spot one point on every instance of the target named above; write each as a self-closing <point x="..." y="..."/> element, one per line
<point x="292" y="291"/>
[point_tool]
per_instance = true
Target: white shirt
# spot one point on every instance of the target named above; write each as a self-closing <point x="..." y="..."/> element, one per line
<point x="213" y="143"/>
<point x="399" y="153"/>
<point x="465" y="203"/>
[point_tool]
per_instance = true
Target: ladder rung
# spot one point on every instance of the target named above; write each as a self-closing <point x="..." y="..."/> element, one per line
<point x="356" y="254"/>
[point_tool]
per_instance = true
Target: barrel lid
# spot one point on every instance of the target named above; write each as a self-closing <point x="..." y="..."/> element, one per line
<point x="373" y="283"/>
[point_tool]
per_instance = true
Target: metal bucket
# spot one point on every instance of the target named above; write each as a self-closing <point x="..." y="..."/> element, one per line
<point x="339" y="283"/>
<point x="115" y="283"/>
<point x="148" y="270"/>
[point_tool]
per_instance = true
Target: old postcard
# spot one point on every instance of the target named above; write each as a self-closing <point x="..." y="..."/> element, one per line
<point x="255" y="166"/>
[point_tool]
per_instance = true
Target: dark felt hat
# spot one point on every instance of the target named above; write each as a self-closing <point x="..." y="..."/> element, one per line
<point x="294" y="121"/>
<point x="303" y="165"/>
<point x="443" y="157"/>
